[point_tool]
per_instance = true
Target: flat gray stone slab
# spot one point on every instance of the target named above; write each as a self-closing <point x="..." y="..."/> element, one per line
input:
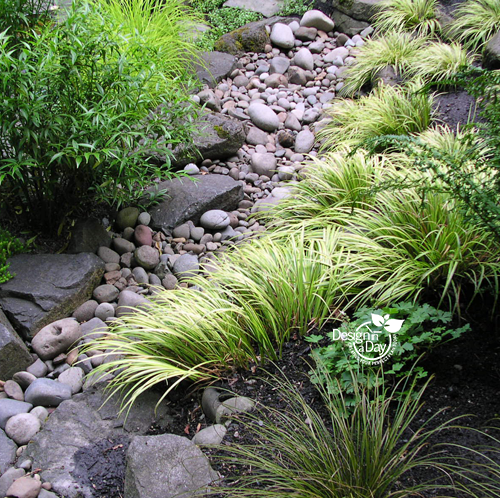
<point x="216" y="66"/>
<point x="217" y="137"/>
<point x="47" y="287"/>
<point x="267" y="8"/>
<point x="166" y="466"/>
<point x="80" y="424"/>
<point x="188" y="200"/>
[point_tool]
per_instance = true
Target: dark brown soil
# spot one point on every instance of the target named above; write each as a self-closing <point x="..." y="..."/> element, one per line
<point x="456" y="107"/>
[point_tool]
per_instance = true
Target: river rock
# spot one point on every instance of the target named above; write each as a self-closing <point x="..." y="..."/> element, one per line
<point x="85" y="311"/>
<point x="304" y="59"/>
<point x="56" y="338"/>
<point x="279" y="65"/>
<point x="263" y="117"/>
<point x="47" y="392"/>
<point x="304" y="141"/>
<point x="188" y="200"/>
<point x="24" y="379"/>
<point x="232" y="406"/>
<point x="212" y="435"/>
<point x="282" y="36"/>
<point x="129" y="300"/>
<point x="121" y="245"/>
<point x="47" y="287"/>
<point x="304" y="33"/>
<point x="104" y="311"/>
<point x="22" y="427"/>
<point x="14" y="355"/>
<point x="187" y="471"/>
<point x="13" y="390"/>
<point x="143" y="235"/>
<point x="147" y="257"/>
<point x="94" y="329"/>
<point x="215" y="219"/>
<point x="264" y="164"/>
<point x="24" y="487"/>
<point x="127" y="217"/>
<point x="6" y="480"/>
<point x="186" y="266"/>
<point x="38" y="368"/>
<point x="11" y="407"/>
<point x="255" y="136"/>
<point x="316" y="19"/>
<point x="73" y="377"/>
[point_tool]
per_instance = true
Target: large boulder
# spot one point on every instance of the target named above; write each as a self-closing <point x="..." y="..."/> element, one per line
<point x="166" y="466"/>
<point x="47" y="287"/>
<point x="14" y="355"/>
<point x="348" y="25"/>
<point x="71" y="443"/>
<point x="253" y="37"/>
<point x="217" y="137"/>
<point x="362" y="10"/>
<point x="267" y="9"/>
<point x="214" y="67"/>
<point x="491" y="54"/>
<point x="188" y="199"/>
<point x="88" y="236"/>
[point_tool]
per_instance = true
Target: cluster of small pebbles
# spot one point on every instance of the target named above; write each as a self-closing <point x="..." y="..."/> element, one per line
<point x="280" y="96"/>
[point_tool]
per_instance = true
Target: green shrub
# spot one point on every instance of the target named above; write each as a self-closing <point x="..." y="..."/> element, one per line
<point x="76" y="122"/>
<point x="397" y="49"/>
<point x="423" y="329"/>
<point x="382" y="450"/>
<point x="9" y="246"/>
<point x="221" y="20"/>
<point x="476" y="21"/>
<point x="387" y="110"/>
<point x="19" y="17"/>
<point x="415" y="16"/>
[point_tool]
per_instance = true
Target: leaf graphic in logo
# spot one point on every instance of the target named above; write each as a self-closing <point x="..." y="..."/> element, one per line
<point x="378" y="320"/>
<point x="393" y="325"/>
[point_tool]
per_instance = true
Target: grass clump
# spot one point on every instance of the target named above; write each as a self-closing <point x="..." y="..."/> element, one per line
<point x="476" y="21"/>
<point x="168" y="27"/>
<point x="397" y="49"/>
<point x="439" y="62"/>
<point x="414" y="16"/>
<point x="255" y="300"/>
<point x="376" y="451"/>
<point x="386" y="111"/>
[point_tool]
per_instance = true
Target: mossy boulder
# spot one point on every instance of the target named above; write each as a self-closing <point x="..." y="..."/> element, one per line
<point x="252" y="37"/>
